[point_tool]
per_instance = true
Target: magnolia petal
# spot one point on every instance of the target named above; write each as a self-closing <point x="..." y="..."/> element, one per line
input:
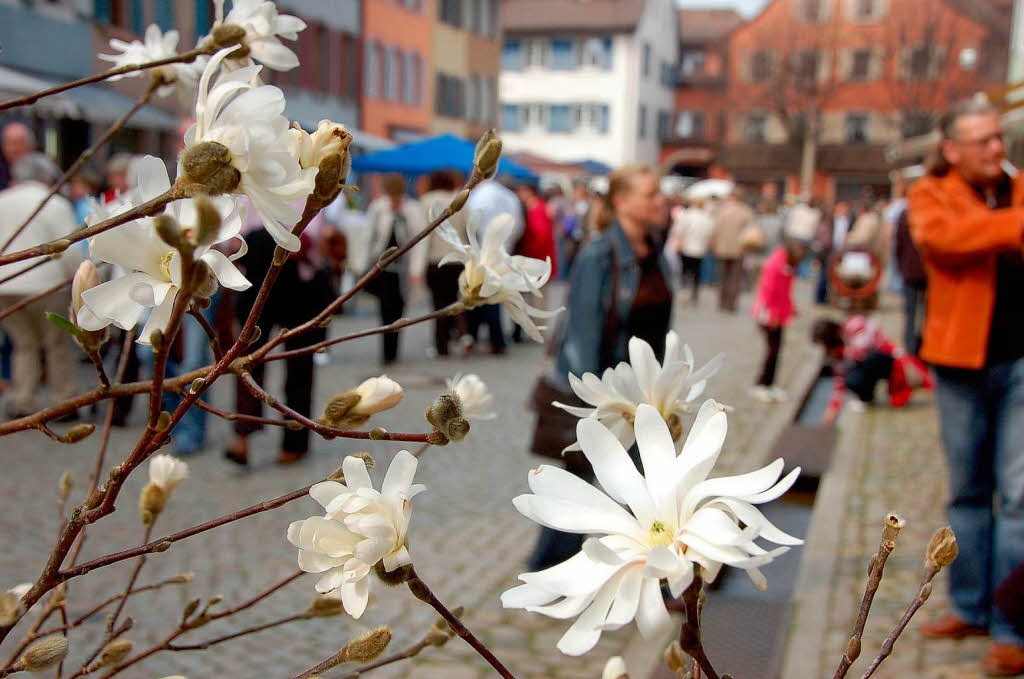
<point x="652" y="617"/>
<point x="573" y="577"/>
<point x="227" y="273"/>
<point x="734" y="486"/>
<point x="354" y="596"/>
<point x="614" y="469"/>
<point x="330" y="580"/>
<point x="356" y="476"/>
<point x="159" y="319"/>
<point x="572" y="517"/>
<point x="627" y="599"/>
<point x="584" y="634"/>
<point x="658" y="455"/>
<point x="311" y="562"/>
<point x="775" y="491"/>
<point x="397" y="559"/>
<point x="601" y="553"/>
<point x="326" y="491"/>
<point x="644" y="363"/>
<point x="569" y="607"/>
<point x="400" y="473"/>
<point x="526" y="595"/>
<point x="550" y="481"/>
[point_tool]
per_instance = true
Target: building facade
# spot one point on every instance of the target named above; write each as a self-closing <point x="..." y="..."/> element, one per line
<point x="398" y="92"/>
<point x="467" y="60"/>
<point x="821" y="87"/>
<point x="588" y="79"/>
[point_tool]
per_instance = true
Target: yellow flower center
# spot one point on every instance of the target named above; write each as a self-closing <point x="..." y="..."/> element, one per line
<point x="165" y="264"/>
<point x="660" y="535"/>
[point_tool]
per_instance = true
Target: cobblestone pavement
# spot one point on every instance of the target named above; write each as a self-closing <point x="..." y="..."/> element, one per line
<point x="895" y="463"/>
<point x="467" y="540"/>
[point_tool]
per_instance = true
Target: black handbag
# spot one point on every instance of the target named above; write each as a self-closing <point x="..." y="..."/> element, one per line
<point x="555" y="429"/>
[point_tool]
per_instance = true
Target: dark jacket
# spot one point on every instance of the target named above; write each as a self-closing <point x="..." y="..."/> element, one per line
<point x="579" y="350"/>
<point x="908" y="259"/>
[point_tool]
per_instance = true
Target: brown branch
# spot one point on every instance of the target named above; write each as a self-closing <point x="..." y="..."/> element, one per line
<point x="690" y="639"/>
<point x="203" y="645"/>
<point x="162" y="544"/>
<point x="893" y="524"/>
<point x="422" y="592"/>
<point x="184" y="58"/>
<point x="84" y="158"/>
<point x="241" y="417"/>
<point x="147" y="209"/>
<point x="162" y="352"/>
<point x="123" y="599"/>
<point x="339" y="658"/>
<point x="211" y="332"/>
<point x="931" y="570"/>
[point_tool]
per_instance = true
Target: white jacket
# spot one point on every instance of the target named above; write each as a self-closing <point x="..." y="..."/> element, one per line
<point x="56" y="220"/>
<point x="691" y="232"/>
<point x="380" y="220"/>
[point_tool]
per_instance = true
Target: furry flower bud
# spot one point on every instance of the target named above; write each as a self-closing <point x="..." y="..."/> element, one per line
<point x="152" y="501"/>
<point x="674" y="657"/>
<point x="77" y="433"/>
<point x="226" y="35"/>
<point x="368" y="646"/>
<point x="45" y="653"/>
<point x="208" y="221"/>
<point x="86" y="277"/>
<point x="114" y="652"/>
<point x="169" y="231"/>
<point x="325" y="606"/>
<point x="208" y="165"/>
<point x="339" y="405"/>
<point x="377" y="394"/>
<point x="446" y="408"/>
<point x="488" y="152"/>
<point x="942" y="548"/>
<point x="458" y="429"/>
<point x="11" y="609"/>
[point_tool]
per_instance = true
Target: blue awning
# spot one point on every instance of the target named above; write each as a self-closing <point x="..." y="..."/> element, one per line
<point x="445" y="152"/>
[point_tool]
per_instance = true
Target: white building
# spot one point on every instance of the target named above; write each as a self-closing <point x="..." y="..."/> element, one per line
<point x="588" y="79"/>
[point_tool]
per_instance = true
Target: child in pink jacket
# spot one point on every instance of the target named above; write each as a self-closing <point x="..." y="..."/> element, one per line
<point x="773" y="309"/>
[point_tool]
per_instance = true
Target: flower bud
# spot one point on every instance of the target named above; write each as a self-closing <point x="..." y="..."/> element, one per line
<point x="152" y="501"/>
<point x="926" y="591"/>
<point x="77" y="433"/>
<point x="86" y="277"/>
<point x="377" y="394"/>
<point x="208" y="165"/>
<point x="674" y="657"/>
<point x="437" y="438"/>
<point x="942" y="548"/>
<point x="182" y="578"/>
<point x="378" y="434"/>
<point x="167" y="228"/>
<point x="226" y="35"/>
<point x="325" y="606"/>
<point x="368" y="646"/>
<point x="208" y="221"/>
<point x="446" y="408"/>
<point x="457" y="429"/>
<point x="163" y="420"/>
<point x="419" y="589"/>
<point x="893" y="524"/>
<point x="114" y="652"/>
<point x="488" y="151"/>
<point x="11" y="609"/>
<point x="459" y="201"/>
<point x="615" y="668"/>
<point x="65" y="483"/>
<point x="45" y="653"/>
<point x="328" y="179"/>
<point x="393" y="578"/>
<point x="339" y="405"/>
<point x="190" y="608"/>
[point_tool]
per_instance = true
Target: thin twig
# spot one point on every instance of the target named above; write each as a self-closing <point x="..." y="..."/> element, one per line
<point x="241" y="417"/>
<point x="339" y="658"/>
<point x="893" y="524"/>
<point x="422" y="592"/>
<point x="931" y="570"/>
<point x="123" y="599"/>
<point x="203" y="645"/>
<point x="211" y="332"/>
<point x="184" y="58"/>
<point x="30" y="267"/>
<point x="84" y="158"/>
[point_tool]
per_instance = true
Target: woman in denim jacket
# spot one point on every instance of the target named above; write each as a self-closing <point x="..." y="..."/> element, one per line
<point x="622" y="248"/>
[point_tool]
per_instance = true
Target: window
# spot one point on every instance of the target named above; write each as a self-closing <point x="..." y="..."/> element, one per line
<point x="864" y="9"/>
<point x="327" y="64"/>
<point x="350" y="63"/>
<point x="417" y="75"/>
<point x="450" y="97"/>
<point x="597" y="52"/>
<point x="535" y="115"/>
<point x="372" y="74"/>
<point x="916" y="123"/>
<point x="408" y="78"/>
<point x="511" y="118"/>
<point x="664" y="125"/>
<point x="646" y="60"/>
<point x="690" y="125"/>
<point x="812" y="11"/>
<point x="538" y="52"/>
<point x="513" y="57"/>
<point x="560" y="119"/>
<point x="392" y="73"/>
<point x="668" y="74"/>
<point x="600" y="118"/>
<point x="860" y="64"/>
<point x="487" y="96"/>
<point x="563" y="54"/>
<point x="806" y="66"/>
<point x="642" y="122"/>
<point x="762" y="66"/>
<point x="450" y="12"/>
<point x="694" y="62"/>
<point x="473" y="98"/>
<point x="756" y="131"/>
<point x="920" y="61"/>
<point x="857" y="128"/>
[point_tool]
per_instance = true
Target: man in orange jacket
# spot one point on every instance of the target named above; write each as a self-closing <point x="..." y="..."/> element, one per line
<point x="967" y="219"/>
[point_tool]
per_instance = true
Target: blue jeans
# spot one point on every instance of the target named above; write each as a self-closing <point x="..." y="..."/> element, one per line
<point x="982" y="419"/>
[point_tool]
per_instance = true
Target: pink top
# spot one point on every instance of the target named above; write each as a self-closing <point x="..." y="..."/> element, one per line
<point x="773" y="306"/>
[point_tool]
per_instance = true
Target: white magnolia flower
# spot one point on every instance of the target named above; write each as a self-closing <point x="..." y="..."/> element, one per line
<point x="263" y="28"/>
<point x="677" y="518"/>
<point x="20" y="590"/>
<point x="476" y="400"/>
<point x="670" y="387"/>
<point x="246" y="117"/>
<point x="377" y="394"/>
<point x="615" y="668"/>
<point x="309" y="149"/>
<point x="153" y="267"/>
<point x="167" y="471"/>
<point x="155" y="46"/>
<point x="360" y="528"/>
<point x="493" y="276"/>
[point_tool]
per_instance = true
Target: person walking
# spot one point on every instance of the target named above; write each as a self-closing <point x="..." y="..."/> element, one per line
<point x="16" y="141"/>
<point x="538" y="239"/>
<point x="393" y="220"/>
<point x="731" y="218"/>
<point x="28" y="327"/>
<point x="915" y="283"/>
<point x="967" y="219"/>
<point x="601" y="316"/>
<point x="690" y="237"/>
<point x="443" y="280"/>
<point x="773" y="309"/>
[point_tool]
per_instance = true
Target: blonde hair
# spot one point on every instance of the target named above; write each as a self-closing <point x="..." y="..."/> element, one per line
<point x="619" y="181"/>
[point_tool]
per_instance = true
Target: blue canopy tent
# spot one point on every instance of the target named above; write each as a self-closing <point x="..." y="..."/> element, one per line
<point x="444" y="152"/>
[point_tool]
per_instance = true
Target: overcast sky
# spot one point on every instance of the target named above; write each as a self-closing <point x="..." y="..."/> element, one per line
<point x="747" y="7"/>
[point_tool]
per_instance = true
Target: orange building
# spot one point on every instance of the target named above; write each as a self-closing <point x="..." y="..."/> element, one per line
<point x="839" y="80"/>
<point x="397" y="100"/>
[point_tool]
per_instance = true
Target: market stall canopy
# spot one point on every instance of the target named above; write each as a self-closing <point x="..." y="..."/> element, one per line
<point x="445" y="152"/>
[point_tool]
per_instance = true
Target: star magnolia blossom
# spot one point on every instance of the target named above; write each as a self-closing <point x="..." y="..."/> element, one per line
<point x="263" y="28"/>
<point x="615" y="668"/>
<point x="668" y="386"/>
<point x="492" y="276"/>
<point x="309" y="149"/>
<point x="377" y="394"/>
<point x="167" y="471"/>
<point x="360" y="528"/>
<point x="476" y="400"/>
<point x="677" y="519"/>
<point x="156" y="46"/>
<point x="153" y="267"/>
<point x="246" y="117"/>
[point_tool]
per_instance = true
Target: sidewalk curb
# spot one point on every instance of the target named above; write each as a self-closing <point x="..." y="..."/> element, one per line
<point x="808" y="622"/>
<point x="784" y="414"/>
